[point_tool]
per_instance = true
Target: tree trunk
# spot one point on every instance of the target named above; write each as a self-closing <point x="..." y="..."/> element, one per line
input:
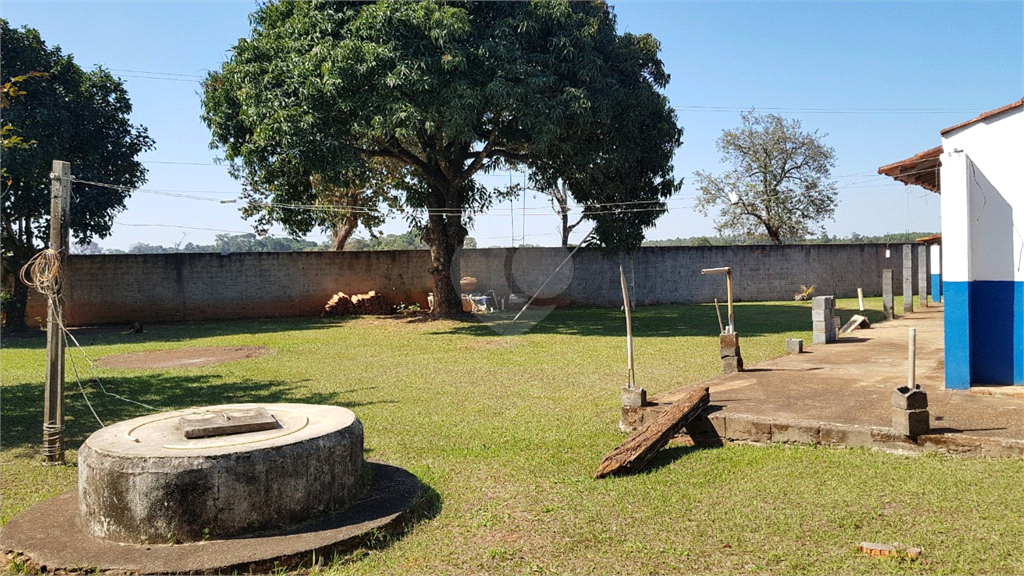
<point x="565" y="229"/>
<point x="20" y="254"/>
<point x="15" y="308"/>
<point x="343" y="230"/>
<point x="445" y="235"/>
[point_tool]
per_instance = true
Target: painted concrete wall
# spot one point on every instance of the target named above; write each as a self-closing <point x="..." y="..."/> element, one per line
<point x="935" y="263"/>
<point x="190" y="287"/>
<point x="982" y="223"/>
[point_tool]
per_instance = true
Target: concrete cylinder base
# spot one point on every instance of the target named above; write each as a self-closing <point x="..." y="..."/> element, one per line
<point x="142" y="481"/>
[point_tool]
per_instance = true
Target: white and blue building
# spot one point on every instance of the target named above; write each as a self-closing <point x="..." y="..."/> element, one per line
<point x="977" y="172"/>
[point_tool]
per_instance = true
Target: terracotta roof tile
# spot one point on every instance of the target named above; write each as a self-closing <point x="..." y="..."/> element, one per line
<point x="921" y="169"/>
<point x="984" y="116"/>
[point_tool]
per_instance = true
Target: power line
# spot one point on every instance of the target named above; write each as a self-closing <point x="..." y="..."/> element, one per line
<point x="184" y="163"/>
<point x="155" y="73"/>
<point x="181" y="227"/>
<point x="698" y="108"/>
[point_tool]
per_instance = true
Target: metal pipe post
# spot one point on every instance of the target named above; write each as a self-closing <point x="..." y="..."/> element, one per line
<point x="912" y="357"/>
<point x="728" y="286"/>
<point x="631" y="379"/>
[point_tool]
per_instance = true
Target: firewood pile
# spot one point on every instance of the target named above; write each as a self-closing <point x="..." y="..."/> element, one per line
<point x="371" y="303"/>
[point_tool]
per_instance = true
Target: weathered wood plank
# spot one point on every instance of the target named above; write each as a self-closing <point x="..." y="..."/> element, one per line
<point x="633" y="454"/>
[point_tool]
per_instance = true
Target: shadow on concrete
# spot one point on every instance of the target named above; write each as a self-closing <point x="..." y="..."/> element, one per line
<point x="752" y="319"/>
<point x="947" y="430"/>
<point x="22" y="408"/>
<point x="119" y="333"/>
<point x="427" y="505"/>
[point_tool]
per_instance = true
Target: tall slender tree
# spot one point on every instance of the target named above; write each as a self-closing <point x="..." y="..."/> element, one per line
<point x="779" y="186"/>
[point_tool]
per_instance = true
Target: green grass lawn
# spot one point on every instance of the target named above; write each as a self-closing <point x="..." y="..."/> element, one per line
<point x="507" y="432"/>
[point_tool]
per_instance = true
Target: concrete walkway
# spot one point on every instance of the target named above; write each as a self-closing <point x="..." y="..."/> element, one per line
<point x="840" y="394"/>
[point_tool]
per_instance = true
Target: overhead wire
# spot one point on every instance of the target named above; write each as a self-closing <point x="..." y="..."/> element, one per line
<point x="44" y="273"/>
<point x="178" y="77"/>
<point x="619" y="207"/>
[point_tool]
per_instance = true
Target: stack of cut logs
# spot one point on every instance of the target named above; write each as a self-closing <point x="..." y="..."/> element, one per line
<point x="371" y="303"/>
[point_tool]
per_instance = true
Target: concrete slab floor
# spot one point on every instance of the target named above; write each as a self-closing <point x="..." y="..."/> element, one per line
<point x="850" y="383"/>
<point x="52" y="537"/>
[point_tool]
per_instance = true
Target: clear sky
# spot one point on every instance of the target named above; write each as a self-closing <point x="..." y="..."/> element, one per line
<point x="878" y="79"/>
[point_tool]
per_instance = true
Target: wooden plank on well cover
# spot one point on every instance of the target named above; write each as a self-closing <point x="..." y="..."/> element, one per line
<point x="634" y="453"/>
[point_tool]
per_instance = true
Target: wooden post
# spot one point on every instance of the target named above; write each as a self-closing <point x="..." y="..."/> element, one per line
<point x="53" y="398"/>
<point x="630" y="378"/>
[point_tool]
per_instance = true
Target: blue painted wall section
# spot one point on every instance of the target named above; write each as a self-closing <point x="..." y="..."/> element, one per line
<point x="957" y="331"/>
<point x="1018" y="333"/>
<point x="996" y="338"/>
<point x="936" y="287"/>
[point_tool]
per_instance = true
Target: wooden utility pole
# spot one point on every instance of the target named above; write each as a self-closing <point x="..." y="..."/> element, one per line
<point x="53" y="399"/>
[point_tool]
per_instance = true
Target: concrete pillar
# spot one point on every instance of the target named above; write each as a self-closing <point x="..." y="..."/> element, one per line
<point x="908" y="278"/>
<point x="922" y="276"/>
<point x="935" y="267"/>
<point x="956" y="250"/>
<point x="887" y="293"/>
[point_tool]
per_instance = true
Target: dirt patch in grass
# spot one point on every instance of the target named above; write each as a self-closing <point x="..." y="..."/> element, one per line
<point x="183" y="357"/>
<point x="489" y="343"/>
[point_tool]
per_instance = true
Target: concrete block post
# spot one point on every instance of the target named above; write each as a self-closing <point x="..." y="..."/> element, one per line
<point x="823" y="320"/>
<point x="729" y="349"/>
<point x="908" y="278"/>
<point x="887" y="293"/>
<point x="922" y="276"/>
<point x="910" y="411"/>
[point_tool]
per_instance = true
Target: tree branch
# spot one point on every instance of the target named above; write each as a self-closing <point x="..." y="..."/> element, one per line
<point x="478" y="160"/>
<point x="509" y="155"/>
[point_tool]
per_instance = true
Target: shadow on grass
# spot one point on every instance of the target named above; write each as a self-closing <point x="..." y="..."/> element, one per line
<point x="118" y="334"/>
<point x="752" y="319"/>
<point x="668" y="455"/>
<point x="22" y="408"/>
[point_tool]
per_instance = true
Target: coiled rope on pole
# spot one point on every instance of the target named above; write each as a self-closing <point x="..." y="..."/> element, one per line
<point x="44" y="273"/>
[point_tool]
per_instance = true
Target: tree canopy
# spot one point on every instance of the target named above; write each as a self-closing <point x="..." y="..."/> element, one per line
<point x="779" y="186"/>
<point x="438" y="92"/>
<point x="67" y="114"/>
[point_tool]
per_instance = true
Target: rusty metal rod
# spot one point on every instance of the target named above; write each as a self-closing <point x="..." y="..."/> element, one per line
<point x="728" y="287"/>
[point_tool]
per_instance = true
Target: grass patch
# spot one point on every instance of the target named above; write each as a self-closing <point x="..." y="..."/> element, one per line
<point x="508" y="430"/>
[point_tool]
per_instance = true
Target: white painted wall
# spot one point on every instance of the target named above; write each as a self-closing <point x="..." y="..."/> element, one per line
<point x="983" y="199"/>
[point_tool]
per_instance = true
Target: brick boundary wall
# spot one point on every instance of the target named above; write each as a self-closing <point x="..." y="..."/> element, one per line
<point x="188" y="287"/>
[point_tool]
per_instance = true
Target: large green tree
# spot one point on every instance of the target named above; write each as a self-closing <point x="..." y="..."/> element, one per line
<point x="68" y="114"/>
<point x="441" y="92"/>
<point x="780" y="185"/>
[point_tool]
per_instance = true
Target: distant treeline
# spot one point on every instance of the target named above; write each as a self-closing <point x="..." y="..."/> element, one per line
<point x="227" y="243"/>
<point x="895" y="238"/>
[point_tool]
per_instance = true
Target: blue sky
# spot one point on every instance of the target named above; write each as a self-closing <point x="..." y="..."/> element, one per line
<point x="880" y="79"/>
